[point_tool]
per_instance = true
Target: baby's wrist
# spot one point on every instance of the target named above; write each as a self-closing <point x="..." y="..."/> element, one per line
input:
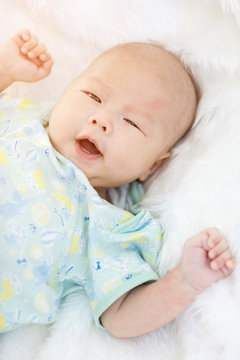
<point x="6" y="78"/>
<point x="188" y="283"/>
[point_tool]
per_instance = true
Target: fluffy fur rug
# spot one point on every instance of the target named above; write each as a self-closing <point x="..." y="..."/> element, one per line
<point x="198" y="188"/>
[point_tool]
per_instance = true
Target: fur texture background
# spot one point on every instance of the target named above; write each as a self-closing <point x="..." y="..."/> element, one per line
<point x="198" y="188"/>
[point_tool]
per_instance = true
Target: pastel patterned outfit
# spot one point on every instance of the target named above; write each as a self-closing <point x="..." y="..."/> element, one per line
<point x="56" y="234"/>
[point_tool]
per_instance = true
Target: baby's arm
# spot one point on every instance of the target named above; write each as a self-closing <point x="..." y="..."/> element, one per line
<point x="206" y="259"/>
<point x="23" y="58"/>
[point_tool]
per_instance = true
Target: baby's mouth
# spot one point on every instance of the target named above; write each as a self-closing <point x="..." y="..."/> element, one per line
<point x="88" y="148"/>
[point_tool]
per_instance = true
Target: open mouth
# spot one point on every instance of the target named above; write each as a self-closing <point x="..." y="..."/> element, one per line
<point x="88" y="149"/>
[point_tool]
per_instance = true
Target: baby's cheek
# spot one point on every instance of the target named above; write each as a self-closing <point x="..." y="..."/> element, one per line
<point x="121" y="165"/>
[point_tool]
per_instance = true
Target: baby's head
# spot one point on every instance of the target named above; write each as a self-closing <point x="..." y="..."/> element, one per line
<point x="118" y="121"/>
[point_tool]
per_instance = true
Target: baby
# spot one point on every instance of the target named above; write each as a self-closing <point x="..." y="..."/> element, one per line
<point x="114" y="124"/>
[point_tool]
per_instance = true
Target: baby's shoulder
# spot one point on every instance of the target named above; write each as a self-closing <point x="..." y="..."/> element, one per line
<point x="15" y="112"/>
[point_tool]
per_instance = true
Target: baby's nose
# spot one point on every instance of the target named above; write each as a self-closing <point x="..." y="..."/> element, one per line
<point x="104" y="124"/>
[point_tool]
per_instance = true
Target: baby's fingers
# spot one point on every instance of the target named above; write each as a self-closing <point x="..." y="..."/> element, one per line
<point x="36" y="51"/>
<point x="224" y="259"/>
<point x="21" y="37"/>
<point x="24" y="34"/>
<point x="229" y="267"/>
<point x="217" y="246"/>
<point x="45" y="57"/>
<point x="214" y="237"/>
<point x="29" y="45"/>
<point x="44" y="70"/>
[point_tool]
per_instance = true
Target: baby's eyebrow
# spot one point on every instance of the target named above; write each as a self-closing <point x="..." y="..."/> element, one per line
<point x="98" y="82"/>
<point x="132" y="110"/>
<point x="129" y="109"/>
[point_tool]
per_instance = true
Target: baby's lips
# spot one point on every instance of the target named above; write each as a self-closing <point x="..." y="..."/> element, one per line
<point x="89" y="146"/>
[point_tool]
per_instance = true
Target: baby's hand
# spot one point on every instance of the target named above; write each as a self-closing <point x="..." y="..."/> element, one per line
<point x="206" y="259"/>
<point x="23" y="58"/>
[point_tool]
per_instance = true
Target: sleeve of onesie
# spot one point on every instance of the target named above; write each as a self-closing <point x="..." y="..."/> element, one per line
<point x="124" y="261"/>
<point x="16" y="112"/>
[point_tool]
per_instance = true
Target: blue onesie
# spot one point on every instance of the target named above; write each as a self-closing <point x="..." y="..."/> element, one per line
<point x="57" y="235"/>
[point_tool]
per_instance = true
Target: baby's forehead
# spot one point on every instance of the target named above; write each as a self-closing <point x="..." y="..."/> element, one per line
<point x="137" y="50"/>
<point x="142" y="54"/>
<point x="158" y="65"/>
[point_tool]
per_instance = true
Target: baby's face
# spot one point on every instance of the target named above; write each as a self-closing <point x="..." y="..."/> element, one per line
<point x="109" y="122"/>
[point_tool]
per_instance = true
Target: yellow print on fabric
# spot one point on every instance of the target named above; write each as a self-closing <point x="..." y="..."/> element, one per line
<point x="127" y="217"/>
<point x="149" y="259"/>
<point x="64" y="199"/>
<point x="53" y="277"/>
<point x="135" y="237"/>
<point x="41" y="303"/>
<point x="21" y="134"/>
<point x="25" y="103"/>
<point x="74" y="249"/>
<point x="57" y="185"/>
<point x="97" y="252"/>
<point x="8" y="290"/>
<point x="2" y="322"/>
<point x="138" y="237"/>
<point x="111" y="285"/>
<point x="41" y="214"/>
<point x="3" y="159"/>
<point x="39" y="177"/>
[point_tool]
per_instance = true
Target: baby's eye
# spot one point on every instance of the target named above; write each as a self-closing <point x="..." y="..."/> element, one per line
<point x="130" y="122"/>
<point x="92" y="96"/>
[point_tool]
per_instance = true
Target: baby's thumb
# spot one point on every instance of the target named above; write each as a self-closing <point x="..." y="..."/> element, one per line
<point x="45" y="69"/>
<point x="48" y="64"/>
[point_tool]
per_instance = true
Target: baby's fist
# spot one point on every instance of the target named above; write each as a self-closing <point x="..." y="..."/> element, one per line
<point x="206" y="259"/>
<point x="23" y="58"/>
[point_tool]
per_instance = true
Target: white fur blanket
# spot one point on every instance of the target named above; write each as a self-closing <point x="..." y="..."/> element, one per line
<point x="198" y="188"/>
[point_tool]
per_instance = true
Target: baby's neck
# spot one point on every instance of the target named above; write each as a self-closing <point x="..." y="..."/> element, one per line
<point x="102" y="192"/>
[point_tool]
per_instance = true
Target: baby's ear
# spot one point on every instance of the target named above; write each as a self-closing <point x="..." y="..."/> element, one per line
<point x="154" y="167"/>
